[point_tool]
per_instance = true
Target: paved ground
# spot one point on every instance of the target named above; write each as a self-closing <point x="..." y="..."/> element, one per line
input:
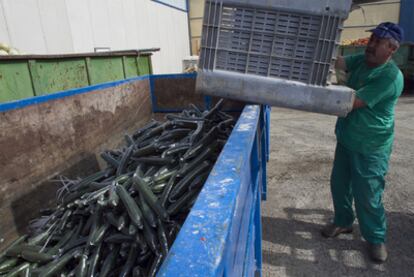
<point x="299" y="202"/>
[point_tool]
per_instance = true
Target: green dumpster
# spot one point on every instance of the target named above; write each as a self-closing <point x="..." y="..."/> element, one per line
<point x="23" y="76"/>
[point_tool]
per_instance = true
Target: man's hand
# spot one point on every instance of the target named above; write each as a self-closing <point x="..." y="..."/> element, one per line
<point x="358" y="103"/>
<point x="340" y="63"/>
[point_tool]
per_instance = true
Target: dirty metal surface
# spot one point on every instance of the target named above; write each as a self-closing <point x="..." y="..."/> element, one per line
<point x="42" y="140"/>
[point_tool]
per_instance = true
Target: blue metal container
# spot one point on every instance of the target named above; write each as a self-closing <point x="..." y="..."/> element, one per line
<point x="222" y="233"/>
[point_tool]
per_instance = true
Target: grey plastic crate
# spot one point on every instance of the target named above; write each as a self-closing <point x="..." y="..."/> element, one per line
<point x="294" y="40"/>
<point x="285" y="42"/>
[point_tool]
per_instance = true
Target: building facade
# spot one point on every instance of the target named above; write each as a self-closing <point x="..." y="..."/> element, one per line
<point x="76" y="26"/>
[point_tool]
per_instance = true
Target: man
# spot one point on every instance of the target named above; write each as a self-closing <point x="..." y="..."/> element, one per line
<point x="364" y="139"/>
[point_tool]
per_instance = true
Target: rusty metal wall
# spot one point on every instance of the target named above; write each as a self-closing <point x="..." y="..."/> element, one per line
<point x="64" y="134"/>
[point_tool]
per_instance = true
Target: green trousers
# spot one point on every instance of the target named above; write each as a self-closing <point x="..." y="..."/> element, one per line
<point x="360" y="178"/>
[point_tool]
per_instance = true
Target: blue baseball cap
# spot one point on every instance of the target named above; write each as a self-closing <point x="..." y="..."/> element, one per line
<point x="388" y="30"/>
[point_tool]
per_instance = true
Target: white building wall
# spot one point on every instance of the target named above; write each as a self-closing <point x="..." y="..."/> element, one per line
<point x="75" y="26"/>
<point x="369" y="16"/>
<point x="55" y="35"/>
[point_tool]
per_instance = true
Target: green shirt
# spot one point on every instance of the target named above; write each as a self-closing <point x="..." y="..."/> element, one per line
<point x="371" y="128"/>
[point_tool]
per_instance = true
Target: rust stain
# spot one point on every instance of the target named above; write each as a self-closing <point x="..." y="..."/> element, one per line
<point x="42" y="140"/>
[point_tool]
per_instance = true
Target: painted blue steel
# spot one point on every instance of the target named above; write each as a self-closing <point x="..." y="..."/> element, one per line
<point x="174" y="76"/>
<point x="264" y="139"/>
<point x="18" y="104"/>
<point x="235" y="258"/>
<point x="153" y="97"/>
<point x="258" y="226"/>
<point x="407" y="19"/>
<point x="267" y="118"/>
<point x="222" y="234"/>
<point x="253" y="258"/>
<point x="207" y="100"/>
<point x="172" y="6"/>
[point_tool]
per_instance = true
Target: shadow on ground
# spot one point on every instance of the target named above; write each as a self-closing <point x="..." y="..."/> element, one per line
<point x="294" y="244"/>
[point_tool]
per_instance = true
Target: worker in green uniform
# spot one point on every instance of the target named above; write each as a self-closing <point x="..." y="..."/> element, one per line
<point x="364" y="140"/>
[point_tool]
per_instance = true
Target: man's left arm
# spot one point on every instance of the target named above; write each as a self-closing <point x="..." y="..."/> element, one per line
<point x="373" y="92"/>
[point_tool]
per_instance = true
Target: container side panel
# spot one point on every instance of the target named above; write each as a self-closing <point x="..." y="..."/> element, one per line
<point x="144" y="65"/>
<point x="130" y="67"/>
<point x="15" y="81"/>
<point x="106" y="70"/>
<point x="43" y="140"/>
<point x="59" y="75"/>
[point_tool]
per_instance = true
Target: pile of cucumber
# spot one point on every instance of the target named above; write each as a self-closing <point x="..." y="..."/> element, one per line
<point x="121" y="221"/>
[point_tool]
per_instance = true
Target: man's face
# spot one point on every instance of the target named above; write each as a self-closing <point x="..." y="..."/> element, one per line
<point x="378" y="50"/>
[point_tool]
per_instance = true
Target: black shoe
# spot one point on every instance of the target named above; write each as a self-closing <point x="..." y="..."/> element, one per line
<point x="377" y="252"/>
<point x="331" y="231"/>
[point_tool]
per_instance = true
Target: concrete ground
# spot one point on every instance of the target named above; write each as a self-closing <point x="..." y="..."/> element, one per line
<point x="299" y="201"/>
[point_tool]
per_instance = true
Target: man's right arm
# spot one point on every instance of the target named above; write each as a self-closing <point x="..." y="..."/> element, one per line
<point x="340" y="64"/>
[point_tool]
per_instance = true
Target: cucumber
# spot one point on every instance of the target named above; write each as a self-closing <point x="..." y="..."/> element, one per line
<point x="111" y="161"/>
<point x="109" y="262"/>
<point x="144" y="129"/>
<point x="72" y="245"/>
<point x="132" y="230"/>
<point x="17" y="250"/>
<point x="133" y="211"/>
<point x="118" y="238"/>
<point x="132" y="256"/>
<point x="206" y="140"/>
<point x="148" y="214"/>
<point x="155" y="160"/>
<point x="123" y="163"/>
<point x="99" y="234"/>
<point x="55" y="267"/>
<point x="195" y="136"/>
<point x="156" y="264"/>
<point x="82" y="268"/>
<point x="8" y="264"/>
<point x="138" y="272"/>
<point x="18" y="270"/>
<point x="151" y="238"/>
<point x="93" y="263"/>
<point x="129" y="140"/>
<point x="167" y="190"/>
<point x="158" y="188"/>
<point x="16" y="242"/>
<point x="142" y="187"/>
<point x="164" y="177"/>
<point x="36" y="257"/>
<point x="181" y="202"/>
<point x="195" y="162"/>
<point x="162" y="238"/>
<point x="184" y="183"/>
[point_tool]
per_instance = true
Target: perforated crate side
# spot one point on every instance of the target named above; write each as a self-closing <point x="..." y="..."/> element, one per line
<point x="269" y="42"/>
